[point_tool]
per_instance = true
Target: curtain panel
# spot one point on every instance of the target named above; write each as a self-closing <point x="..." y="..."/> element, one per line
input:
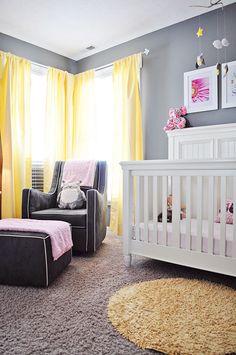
<point x="15" y="131"/>
<point x="59" y="121"/>
<point x="85" y="123"/>
<point x="128" y="136"/>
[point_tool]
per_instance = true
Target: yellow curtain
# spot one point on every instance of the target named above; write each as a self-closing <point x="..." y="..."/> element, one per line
<point x="59" y="124"/>
<point x="15" y="131"/>
<point x="85" y="132"/>
<point x="128" y="137"/>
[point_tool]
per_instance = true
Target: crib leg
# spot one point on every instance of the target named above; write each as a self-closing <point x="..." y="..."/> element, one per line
<point x="128" y="260"/>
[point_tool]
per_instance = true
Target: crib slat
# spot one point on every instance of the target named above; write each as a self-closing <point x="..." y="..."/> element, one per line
<point x="137" y="209"/>
<point x="216" y="195"/>
<point x="222" y="214"/>
<point x="176" y="212"/>
<point x="155" y="208"/>
<point x="188" y="212"/>
<point x="146" y="207"/>
<point x="199" y="213"/>
<point x="164" y="209"/>
<point x="234" y="217"/>
<point x="210" y="213"/>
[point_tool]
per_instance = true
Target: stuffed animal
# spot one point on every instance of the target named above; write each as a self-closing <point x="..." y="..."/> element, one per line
<point x="183" y="207"/>
<point x="169" y="216"/>
<point x="71" y="196"/>
<point x="169" y="211"/>
<point x="177" y="119"/>
<point x="229" y="213"/>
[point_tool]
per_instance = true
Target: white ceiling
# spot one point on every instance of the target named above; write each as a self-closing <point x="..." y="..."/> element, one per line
<point x="67" y="27"/>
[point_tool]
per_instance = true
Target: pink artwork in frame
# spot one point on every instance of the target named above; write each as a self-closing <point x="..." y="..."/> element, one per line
<point x="201" y="90"/>
<point x="228" y="80"/>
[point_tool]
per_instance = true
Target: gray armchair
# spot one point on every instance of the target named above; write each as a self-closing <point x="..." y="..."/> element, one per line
<point x="88" y="224"/>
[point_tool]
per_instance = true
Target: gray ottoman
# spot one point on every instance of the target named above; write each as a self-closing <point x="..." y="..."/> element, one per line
<point x="26" y="259"/>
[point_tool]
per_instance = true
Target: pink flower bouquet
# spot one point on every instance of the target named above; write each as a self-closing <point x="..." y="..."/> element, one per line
<point x="183" y="110"/>
<point x="176" y="119"/>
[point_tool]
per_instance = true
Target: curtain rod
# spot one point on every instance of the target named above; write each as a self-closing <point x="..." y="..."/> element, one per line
<point x="146" y="52"/>
<point x="34" y="63"/>
<point x="39" y="65"/>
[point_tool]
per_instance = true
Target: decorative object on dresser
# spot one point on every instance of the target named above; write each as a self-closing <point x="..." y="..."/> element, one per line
<point x="201" y="90"/>
<point x="177" y="119"/>
<point x="228" y="79"/>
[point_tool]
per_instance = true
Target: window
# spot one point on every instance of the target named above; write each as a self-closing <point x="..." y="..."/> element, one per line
<point x="104" y="120"/>
<point x="37" y="112"/>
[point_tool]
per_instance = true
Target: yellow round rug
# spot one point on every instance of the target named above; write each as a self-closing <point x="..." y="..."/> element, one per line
<point x="177" y="316"/>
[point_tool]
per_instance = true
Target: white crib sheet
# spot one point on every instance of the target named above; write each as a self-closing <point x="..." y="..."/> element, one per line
<point x="159" y="239"/>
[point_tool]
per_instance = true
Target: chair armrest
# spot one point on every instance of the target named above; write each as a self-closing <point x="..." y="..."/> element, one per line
<point x="35" y="200"/>
<point x="96" y="219"/>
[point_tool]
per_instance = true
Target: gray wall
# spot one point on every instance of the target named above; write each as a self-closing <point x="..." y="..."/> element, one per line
<point x="36" y="54"/>
<point x="173" y="51"/>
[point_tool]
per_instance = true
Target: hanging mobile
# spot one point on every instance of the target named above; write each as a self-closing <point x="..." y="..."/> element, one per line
<point x="219" y="44"/>
<point x="217" y="69"/>
<point x="225" y="44"/>
<point x="225" y="70"/>
<point x="200" y="59"/>
<point x="212" y="3"/>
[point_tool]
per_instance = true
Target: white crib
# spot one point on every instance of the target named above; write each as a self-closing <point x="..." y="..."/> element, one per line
<point x="203" y="186"/>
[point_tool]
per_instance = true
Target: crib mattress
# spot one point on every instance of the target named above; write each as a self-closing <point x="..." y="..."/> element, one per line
<point x="159" y="238"/>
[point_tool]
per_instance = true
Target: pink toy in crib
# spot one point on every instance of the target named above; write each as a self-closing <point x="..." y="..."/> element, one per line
<point x="229" y="213"/>
<point x="176" y="119"/>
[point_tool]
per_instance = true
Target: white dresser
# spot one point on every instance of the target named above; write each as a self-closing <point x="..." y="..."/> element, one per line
<point x="206" y="142"/>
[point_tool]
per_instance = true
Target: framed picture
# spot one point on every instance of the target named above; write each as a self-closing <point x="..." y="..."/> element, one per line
<point x="228" y="95"/>
<point x="201" y="90"/>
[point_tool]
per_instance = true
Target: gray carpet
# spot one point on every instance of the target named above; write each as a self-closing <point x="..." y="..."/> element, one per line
<point x="70" y="317"/>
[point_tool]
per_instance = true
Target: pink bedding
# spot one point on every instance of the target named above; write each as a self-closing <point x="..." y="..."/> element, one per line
<point x="59" y="232"/>
<point x="216" y="240"/>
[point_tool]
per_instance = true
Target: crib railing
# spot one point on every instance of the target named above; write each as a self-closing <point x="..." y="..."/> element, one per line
<point x="191" y="238"/>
